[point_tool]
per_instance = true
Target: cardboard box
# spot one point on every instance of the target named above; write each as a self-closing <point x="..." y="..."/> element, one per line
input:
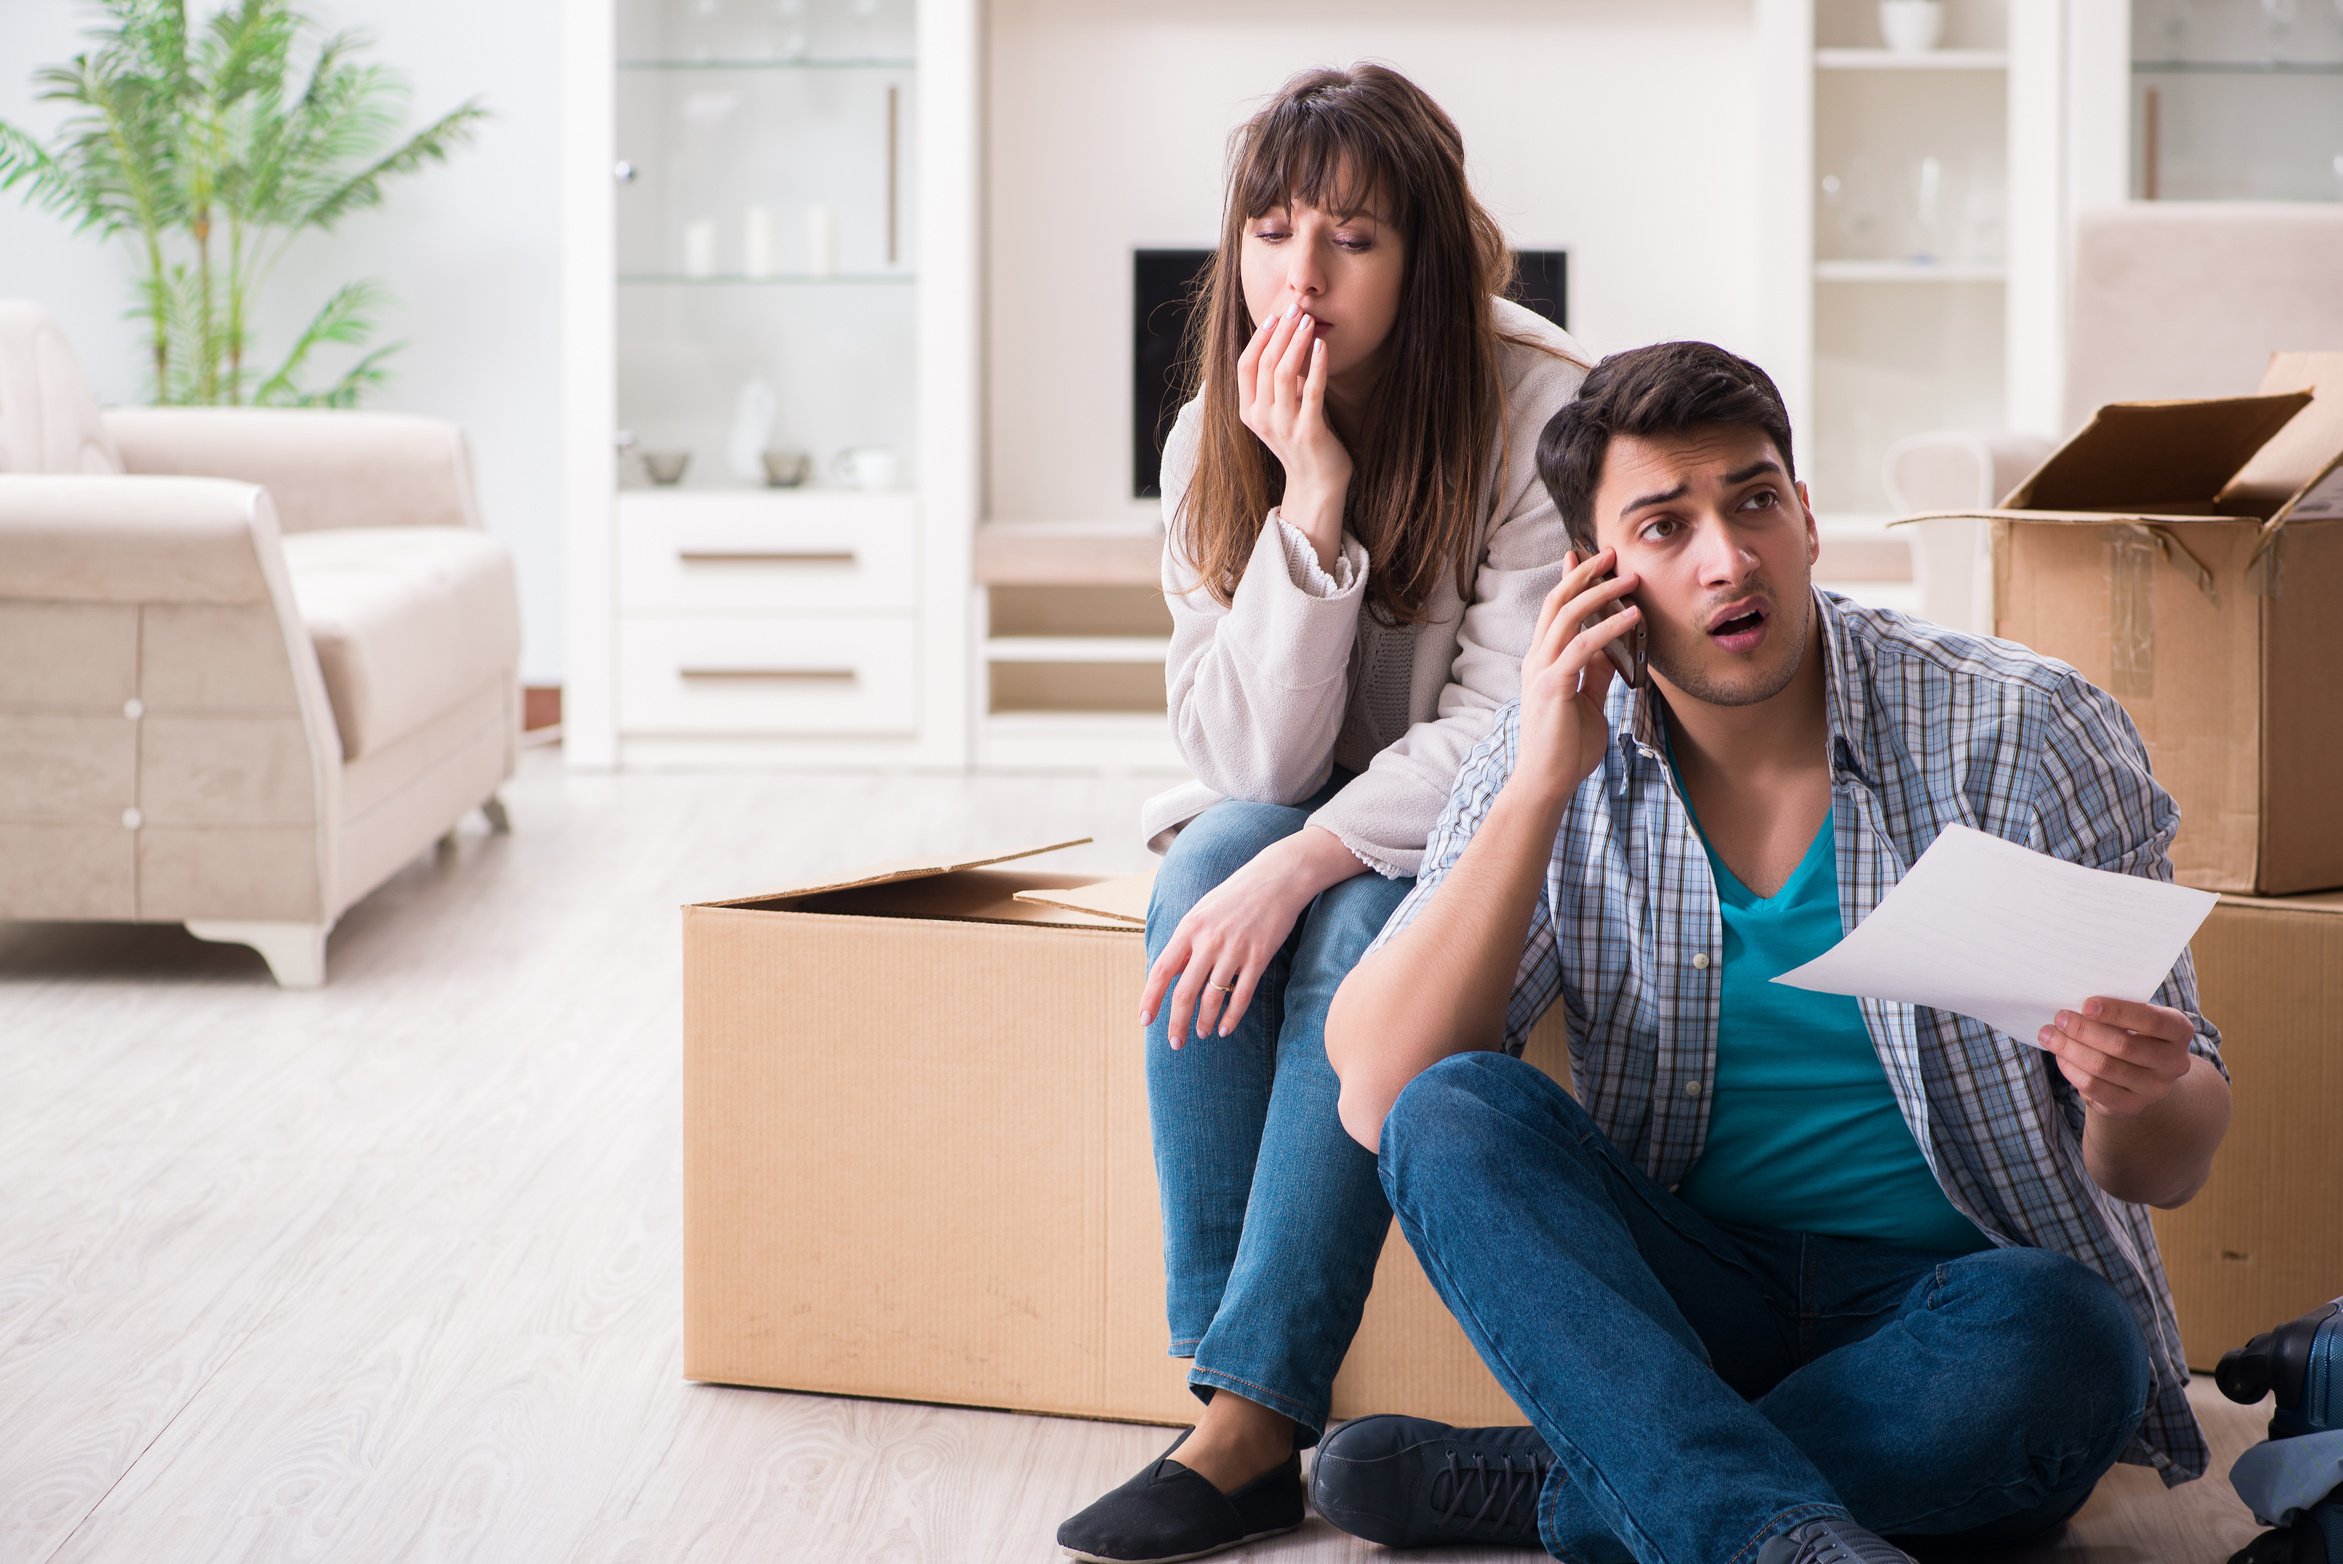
<point x="2187" y="557"/>
<point x="917" y="1163"/>
<point x="2260" y="1244"/>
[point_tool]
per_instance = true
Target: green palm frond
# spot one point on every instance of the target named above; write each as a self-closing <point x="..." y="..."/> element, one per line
<point x="211" y="150"/>
<point x="432" y="144"/>
<point x="365" y="375"/>
<point x="48" y="184"/>
<point x="346" y="319"/>
<point x="179" y="312"/>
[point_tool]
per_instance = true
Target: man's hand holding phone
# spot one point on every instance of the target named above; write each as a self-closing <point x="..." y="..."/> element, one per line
<point x="1585" y="622"/>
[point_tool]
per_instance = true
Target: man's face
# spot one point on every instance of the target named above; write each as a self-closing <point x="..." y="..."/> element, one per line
<point x="1725" y="545"/>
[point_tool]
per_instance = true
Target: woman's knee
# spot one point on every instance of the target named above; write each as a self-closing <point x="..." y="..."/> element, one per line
<point x="1210" y="848"/>
<point x="1347" y="916"/>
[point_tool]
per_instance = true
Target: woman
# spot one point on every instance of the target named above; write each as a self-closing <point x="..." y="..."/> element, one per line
<point x="1356" y="549"/>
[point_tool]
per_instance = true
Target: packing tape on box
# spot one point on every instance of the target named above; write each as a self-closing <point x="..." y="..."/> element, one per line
<point x="2131" y="611"/>
<point x="2267" y="564"/>
<point x="2133" y="551"/>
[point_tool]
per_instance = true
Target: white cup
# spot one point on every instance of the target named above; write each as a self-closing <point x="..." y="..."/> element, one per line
<point x="1911" y="26"/>
<point x="868" y="467"/>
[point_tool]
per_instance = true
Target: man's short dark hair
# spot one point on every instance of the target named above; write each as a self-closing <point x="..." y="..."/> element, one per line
<point x="1670" y="388"/>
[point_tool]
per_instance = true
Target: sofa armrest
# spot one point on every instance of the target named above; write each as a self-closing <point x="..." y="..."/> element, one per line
<point x="105" y="539"/>
<point x="164" y="724"/>
<point x="323" y="467"/>
<point x="1959" y="469"/>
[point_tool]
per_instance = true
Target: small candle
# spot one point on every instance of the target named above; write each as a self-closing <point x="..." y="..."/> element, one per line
<point x="821" y="241"/>
<point x="699" y="248"/>
<point x="760" y="242"/>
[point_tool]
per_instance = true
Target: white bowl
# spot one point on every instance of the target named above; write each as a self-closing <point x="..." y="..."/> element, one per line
<point x="1911" y="26"/>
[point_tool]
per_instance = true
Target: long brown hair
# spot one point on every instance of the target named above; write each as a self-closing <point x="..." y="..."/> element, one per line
<point x="1421" y="474"/>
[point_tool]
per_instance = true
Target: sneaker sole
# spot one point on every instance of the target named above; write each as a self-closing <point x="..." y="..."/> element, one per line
<point x="1178" y="1558"/>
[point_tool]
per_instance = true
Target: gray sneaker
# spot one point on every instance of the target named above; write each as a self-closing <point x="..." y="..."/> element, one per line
<point x="1831" y="1539"/>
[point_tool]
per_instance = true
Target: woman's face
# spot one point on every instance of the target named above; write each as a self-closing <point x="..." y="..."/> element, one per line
<point x="1343" y="269"/>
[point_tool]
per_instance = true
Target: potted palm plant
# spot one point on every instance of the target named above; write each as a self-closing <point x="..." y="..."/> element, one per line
<point x="212" y="150"/>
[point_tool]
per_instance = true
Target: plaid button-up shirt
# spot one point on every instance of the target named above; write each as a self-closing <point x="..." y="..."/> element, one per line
<point x="1927" y="728"/>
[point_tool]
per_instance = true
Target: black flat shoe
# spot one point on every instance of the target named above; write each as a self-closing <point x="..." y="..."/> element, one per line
<point x="1408" y="1482"/>
<point x="1168" y="1513"/>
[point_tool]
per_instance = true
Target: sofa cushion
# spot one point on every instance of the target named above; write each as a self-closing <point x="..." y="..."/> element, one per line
<point x="407" y="622"/>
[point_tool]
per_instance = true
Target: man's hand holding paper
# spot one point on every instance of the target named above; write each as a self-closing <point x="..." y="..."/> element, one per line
<point x="2122" y="1056"/>
<point x="2025" y="943"/>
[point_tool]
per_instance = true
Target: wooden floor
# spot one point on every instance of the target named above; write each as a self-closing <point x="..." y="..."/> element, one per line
<point x="388" y="1270"/>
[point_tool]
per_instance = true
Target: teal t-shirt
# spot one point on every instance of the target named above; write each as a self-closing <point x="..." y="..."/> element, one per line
<point x="1804" y="1134"/>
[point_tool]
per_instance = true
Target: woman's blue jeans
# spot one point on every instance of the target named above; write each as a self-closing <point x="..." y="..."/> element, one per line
<point x="1705" y="1387"/>
<point x="1273" y="1217"/>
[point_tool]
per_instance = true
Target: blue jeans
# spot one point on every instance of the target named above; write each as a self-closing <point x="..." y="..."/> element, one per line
<point x="1706" y="1387"/>
<point x="1273" y="1216"/>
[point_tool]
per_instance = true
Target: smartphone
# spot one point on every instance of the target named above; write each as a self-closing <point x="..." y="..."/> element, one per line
<point x="1626" y="653"/>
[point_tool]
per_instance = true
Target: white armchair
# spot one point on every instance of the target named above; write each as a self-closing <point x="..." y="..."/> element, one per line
<point x="2168" y="299"/>
<point x="251" y="660"/>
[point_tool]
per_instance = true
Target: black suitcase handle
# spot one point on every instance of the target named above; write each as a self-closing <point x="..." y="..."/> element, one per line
<point x="2276" y="1360"/>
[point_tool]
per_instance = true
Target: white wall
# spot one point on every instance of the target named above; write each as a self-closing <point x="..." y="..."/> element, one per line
<point x="470" y="250"/>
<point x="1620" y="130"/>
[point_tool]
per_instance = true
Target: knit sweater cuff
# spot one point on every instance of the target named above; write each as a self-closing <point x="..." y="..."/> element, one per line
<point x="1301" y="561"/>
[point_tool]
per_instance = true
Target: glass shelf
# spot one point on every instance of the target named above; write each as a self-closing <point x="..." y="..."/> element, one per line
<point x="2237" y="67"/>
<point x="1918" y="60"/>
<point x="855" y="64"/>
<point x="740" y="280"/>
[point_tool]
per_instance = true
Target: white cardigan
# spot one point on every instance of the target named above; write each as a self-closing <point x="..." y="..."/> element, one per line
<point x="1269" y="693"/>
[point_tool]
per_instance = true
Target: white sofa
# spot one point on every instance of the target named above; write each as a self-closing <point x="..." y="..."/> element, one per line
<point x="251" y="660"/>
<point x="2168" y="299"/>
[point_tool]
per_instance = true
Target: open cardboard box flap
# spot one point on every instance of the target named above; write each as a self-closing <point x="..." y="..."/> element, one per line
<point x="2269" y="458"/>
<point x="2156" y="455"/>
<point x="900" y="870"/>
<point x="1122" y="899"/>
<point x="2298" y="474"/>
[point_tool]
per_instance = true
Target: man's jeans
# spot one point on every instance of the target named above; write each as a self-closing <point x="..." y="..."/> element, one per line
<point x="1272" y="1215"/>
<point x="1706" y="1387"/>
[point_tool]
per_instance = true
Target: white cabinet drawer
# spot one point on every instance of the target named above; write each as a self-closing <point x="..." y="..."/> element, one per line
<point x="797" y="675"/>
<point x="686" y="552"/>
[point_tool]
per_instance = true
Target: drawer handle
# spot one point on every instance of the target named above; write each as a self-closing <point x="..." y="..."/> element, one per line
<point x="773" y="675"/>
<point x="763" y="557"/>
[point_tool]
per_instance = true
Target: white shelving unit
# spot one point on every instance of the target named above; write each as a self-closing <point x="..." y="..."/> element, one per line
<point x="773" y="204"/>
<point x="1070" y="649"/>
<point x="1912" y="264"/>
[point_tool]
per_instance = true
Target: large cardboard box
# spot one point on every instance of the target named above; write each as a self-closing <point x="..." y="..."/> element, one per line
<point x="2188" y="558"/>
<point x="2263" y="1242"/>
<point x="917" y="1163"/>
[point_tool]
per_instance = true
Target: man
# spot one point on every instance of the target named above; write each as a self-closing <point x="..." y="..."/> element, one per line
<point x="1793" y="1271"/>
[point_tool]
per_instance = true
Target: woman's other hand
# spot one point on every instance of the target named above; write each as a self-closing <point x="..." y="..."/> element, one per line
<point x="1281" y="396"/>
<point x="1220" y="950"/>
